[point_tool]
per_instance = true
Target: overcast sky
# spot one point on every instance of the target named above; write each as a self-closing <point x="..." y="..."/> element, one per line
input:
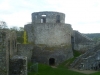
<point x="83" y="15"/>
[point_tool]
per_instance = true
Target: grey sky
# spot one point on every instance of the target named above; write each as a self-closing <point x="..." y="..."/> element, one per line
<point x="83" y="15"/>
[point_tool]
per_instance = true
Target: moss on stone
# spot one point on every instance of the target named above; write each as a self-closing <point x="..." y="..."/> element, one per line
<point x="25" y="37"/>
<point x="45" y="47"/>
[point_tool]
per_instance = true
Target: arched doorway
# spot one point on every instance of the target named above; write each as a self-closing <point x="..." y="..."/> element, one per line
<point x="51" y="61"/>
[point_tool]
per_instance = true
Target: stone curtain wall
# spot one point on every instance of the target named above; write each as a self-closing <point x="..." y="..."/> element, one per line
<point x="42" y="54"/>
<point x="82" y="42"/>
<point x="25" y="50"/>
<point x="52" y="34"/>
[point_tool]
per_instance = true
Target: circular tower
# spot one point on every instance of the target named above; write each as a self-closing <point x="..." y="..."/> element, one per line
<point x="50" y="28"/>
<point x="51" y="37"/>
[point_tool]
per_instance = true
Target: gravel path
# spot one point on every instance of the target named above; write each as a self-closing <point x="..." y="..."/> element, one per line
<point x="84" y="71"/>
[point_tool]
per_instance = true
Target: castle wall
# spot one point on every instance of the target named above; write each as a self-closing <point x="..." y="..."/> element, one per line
<point x="25" y="50"/>
<point x="52" y="34"/>
<point x="30" y="32"/>
<point x="18" y="65"/>
<point x="81" y="42"/>
<point x="7" y="50"/>
<point x="42" y="54"/>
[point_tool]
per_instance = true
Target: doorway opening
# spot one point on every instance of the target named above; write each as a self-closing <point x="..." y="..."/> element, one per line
<point x="72" y="42"/>
<point x="52" y="61"/>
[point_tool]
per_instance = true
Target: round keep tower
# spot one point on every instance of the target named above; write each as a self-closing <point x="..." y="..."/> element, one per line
<point x="49" y="29"/>
<point x="51" y="37"/>
<point x="48" y="17"/>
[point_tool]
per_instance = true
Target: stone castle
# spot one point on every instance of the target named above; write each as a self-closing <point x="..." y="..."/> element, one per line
<point x="50" y="41"/>
<point x="51" y="37"/>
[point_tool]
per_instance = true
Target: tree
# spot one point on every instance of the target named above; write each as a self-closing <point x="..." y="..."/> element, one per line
<point x="3" y="25"/>
<point x="14" y="28"/>
<point x="21" y="29"/>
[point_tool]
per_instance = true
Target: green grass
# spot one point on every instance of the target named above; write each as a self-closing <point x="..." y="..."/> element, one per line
<point x="76" y="53"/>
<point x="47" y="70"/>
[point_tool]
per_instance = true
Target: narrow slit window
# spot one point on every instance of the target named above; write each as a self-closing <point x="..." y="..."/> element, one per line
<point x="58" y="19"/>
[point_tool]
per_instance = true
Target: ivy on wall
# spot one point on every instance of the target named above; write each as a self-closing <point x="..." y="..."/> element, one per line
<point x="25" y="38"/>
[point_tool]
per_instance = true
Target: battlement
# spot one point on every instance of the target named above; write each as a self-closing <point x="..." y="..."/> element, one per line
<point x="48" y="17"/>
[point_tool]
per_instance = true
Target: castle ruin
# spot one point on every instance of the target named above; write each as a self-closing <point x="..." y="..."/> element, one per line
<point x="49" y="40"/>
<point x="51" y="37"/>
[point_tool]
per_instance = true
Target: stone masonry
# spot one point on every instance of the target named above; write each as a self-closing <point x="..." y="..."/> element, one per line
<point x="90" y="60"/>
<point x="81" y="42"/>
<point x="8" y="49"/>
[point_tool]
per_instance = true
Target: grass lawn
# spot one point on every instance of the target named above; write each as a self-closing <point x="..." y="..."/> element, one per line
<point x="47" y="70"/>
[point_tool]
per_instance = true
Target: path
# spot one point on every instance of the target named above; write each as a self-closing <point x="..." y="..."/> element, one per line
<point x="84" y="71"/>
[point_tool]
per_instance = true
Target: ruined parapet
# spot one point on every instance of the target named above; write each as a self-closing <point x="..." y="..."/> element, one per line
<point x="18" y="65"/>
<point x="48" y="17"/>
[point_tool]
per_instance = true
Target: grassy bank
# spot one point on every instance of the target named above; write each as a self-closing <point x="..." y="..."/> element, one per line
<point x="47" y="70"/>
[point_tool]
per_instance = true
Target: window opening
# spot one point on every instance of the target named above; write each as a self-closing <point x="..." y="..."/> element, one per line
<point x="58" y="19"/>
<point x="43" y="19"/>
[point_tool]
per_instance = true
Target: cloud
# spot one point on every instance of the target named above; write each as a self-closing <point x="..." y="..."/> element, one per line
<point x="18" y="19"/>
<point x="81" y="14"/>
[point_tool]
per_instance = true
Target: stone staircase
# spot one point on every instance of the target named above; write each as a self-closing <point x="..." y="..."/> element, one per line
<point x="79" y="60"/>
<point x="90" y="60"/>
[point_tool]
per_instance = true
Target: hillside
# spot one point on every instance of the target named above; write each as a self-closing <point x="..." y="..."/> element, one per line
<point x="94" y="36"/>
